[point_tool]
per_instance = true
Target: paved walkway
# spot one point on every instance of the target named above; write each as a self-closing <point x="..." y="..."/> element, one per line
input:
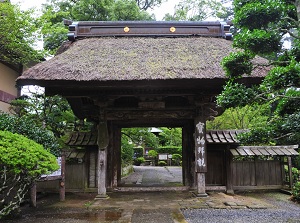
<point x="151" y="176"/>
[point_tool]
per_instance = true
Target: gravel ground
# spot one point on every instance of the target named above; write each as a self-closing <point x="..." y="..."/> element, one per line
<point x="284" y="210"/>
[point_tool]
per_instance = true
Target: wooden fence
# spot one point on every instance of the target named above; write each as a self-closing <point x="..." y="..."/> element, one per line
<point x="257" y="174"/>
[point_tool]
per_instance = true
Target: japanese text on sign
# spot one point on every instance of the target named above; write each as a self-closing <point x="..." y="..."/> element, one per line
<point x="200" y="147"/>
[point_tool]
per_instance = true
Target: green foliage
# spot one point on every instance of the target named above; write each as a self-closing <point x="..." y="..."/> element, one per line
<point x="236" y="95"/>
<point x="261" y="27"/>
<point x="127" y="150"/>
<point x="152" y="153"/>
<point x="258" y="136"/>
<point x="138" y="151"/>
<point x="18" y="35"/>
<point x="55" y="11"/>
<point x="296" y="191"/>
<point x="21" y="154"/>
<point x="22" y="161"/>
<point x="141" y="137"/>
<point x="258" y="41"/>
<point x="237" y="64"/>
<point x="49" y="112"/>
<point x="162" y="163"/>
<point x="255" y="14"/>
<point x="27" y="127"/>
<point x="170" y="149"/>
<point x="177" y="158"/>
<point x="170" y="136"/>
<point x="138" y="161"/>
<point x="283" y="77"/>
<point x="147" y="4"/>
<point x="241" y="118"/>
<point x="128" y="10"/>
<point x="289" y="104"/>
<point x="197" y="10"/>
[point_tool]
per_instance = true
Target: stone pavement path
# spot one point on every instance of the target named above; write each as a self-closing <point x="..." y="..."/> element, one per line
<point x="154" y="176"/>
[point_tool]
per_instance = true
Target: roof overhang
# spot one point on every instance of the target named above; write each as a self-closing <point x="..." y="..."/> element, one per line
<point x="288" y="150"/>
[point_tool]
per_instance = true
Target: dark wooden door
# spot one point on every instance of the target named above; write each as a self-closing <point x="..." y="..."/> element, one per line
<point x="216" y="171"/>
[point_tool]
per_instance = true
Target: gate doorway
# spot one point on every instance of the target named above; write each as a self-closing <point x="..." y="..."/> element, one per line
<point x="151" y="157"/>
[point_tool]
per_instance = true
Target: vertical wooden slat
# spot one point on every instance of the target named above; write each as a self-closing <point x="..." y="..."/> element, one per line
<point x="92" y="169"/>
<point x="290" y="171"/>
<point x="229" y="172"/>
<point x="62" y="182"/>
<point x="117" y="154"/>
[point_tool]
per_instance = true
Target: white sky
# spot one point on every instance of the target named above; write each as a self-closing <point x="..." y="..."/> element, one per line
<point x="166" y="7"/>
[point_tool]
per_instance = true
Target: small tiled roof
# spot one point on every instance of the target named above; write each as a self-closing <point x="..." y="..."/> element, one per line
<point x="265" y="150"/>
<point x="82" y="139"/>
<point x="222" y="136"/>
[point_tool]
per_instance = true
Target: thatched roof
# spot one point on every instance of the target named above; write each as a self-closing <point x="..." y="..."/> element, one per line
<point x="133" y="59"/>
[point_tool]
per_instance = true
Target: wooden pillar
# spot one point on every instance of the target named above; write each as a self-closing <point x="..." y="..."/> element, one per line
<point x="200" y="155"/>
<point x="116" y="155"/>
<point x="117" y="148"/>
<point x="229" y="177"/>
<point x="62" y="184"/>
<point x="184" y="154"/>
<point x="110" y="157"/>
<point x="188" y="155"/>
<point x="290" y="171"/>
<point x="103" y="140"/>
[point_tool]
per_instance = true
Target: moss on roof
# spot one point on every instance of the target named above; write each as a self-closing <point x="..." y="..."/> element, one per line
<point x="106" y="59"/>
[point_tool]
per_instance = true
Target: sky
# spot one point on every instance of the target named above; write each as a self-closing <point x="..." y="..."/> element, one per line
<point x="166" y="7"/>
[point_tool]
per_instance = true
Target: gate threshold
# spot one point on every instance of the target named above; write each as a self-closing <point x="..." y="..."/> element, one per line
<point x="151" y="189"/>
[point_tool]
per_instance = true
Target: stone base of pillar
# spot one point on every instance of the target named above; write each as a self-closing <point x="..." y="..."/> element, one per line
<point x="201" y="185"/>
<point x="202" y="195"/>
<point x="230" y="192"/>
<point x="101" y="197"/>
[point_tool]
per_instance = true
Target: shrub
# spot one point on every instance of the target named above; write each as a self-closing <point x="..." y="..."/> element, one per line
<point x="176" y="159"/>
<point x="138" y="161"/>
<point x="152" y="153"/>
<point x="22" y="161"/>
<point x="26" y="127"/>
<point x="162" y="163"/>
<point x="296" y="191"/>
<point x="126" y="151"/>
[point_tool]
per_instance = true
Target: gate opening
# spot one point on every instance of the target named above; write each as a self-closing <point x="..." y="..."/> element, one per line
<point x="151" y="157"/>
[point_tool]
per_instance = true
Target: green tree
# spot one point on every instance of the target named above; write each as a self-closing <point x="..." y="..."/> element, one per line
<point x="262" y="26"/>
<point x="147" y="4"/>
<point x="141" y="137"/>
<point x="18" y="35"/>
<point x="27" y="127"/>
<point x="54" y="31"/>
<point x="241" y="118"/>
<point x="127" y="151"/>
<point x="22" y="161"/>
<point x="170" y="136"/>
<point x="51" y="112"/>
<point x="198" y="10"/>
